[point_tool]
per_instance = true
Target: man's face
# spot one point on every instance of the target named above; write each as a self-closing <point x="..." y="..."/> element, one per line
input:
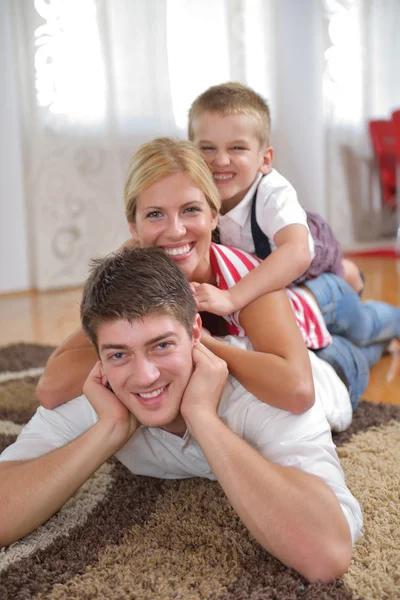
<point x="148" y="364"/>
<point x="232" y="150"/>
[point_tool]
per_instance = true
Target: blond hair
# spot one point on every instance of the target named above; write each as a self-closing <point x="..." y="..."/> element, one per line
<point x="162" y="157"/>
<point x="234" y="99"/>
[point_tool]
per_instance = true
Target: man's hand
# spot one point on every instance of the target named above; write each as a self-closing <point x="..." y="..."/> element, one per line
<point x="205" y="386"/>
<point x="211" y="299"/>
<point x="107" y="406"/>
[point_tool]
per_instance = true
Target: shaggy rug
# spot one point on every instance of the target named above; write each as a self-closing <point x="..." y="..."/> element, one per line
<point x="123" y="536"/>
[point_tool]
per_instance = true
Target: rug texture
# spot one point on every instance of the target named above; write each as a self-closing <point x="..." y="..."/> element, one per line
<point x="123" y="536"/>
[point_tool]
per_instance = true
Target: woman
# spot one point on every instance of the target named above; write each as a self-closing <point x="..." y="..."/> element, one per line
<point x="171" y="202"/>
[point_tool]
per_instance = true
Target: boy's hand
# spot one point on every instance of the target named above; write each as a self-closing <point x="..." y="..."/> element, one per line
<point x="211" y="299"/>
<point x="203" y="392"/>
<point x="107" y="406"/>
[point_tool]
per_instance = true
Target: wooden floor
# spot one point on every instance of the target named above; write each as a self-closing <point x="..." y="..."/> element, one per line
<point x="49" y="318"/>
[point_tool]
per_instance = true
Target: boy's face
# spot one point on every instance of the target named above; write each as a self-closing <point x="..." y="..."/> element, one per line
<point x="148" y="364"/>
<point x="232" y="151"/>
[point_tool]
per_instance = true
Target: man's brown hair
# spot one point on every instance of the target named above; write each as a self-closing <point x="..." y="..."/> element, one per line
<point x="134" y="284"/>
<point x="234" y="99"/>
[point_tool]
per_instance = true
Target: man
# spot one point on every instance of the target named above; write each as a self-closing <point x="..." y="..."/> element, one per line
<point x="165" y="406"/>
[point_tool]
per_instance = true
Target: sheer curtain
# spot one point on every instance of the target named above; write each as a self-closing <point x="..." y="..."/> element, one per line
<point x="361" y="81"/>
<point x="94" y="84"/>
<point x="98" y="77"/>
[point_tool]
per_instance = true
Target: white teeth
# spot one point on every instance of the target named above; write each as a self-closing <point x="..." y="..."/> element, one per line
<point x="223" y="177"/>
<point x="153" y="394"/>
<point x="177" y="251"/>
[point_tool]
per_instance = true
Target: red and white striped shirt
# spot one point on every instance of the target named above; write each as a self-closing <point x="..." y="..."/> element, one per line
<point x="229" y="265"/>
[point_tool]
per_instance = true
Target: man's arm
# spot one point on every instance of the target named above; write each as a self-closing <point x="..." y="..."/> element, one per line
<point x="31" y="491"/>
<point x="294" y="515"/>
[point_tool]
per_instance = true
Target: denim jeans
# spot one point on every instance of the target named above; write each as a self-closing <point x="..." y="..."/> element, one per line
<point x="363" y="323"/>
<point x="361" y="331"/>
<point x="352" y="363"/>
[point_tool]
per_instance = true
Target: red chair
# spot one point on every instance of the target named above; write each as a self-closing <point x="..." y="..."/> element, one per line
<point x="384" y="144"/>
<point x="396" y="128"/>
<point x="396" y="131"/>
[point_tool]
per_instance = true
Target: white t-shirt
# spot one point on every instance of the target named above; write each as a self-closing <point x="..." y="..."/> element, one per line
<point x="302" y="441"/>
<point x="277" y="206"/>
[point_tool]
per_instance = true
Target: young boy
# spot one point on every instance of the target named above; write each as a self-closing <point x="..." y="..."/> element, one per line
<point x="230" y="124"/>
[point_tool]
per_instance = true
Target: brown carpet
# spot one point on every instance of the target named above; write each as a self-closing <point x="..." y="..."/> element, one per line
<point x="123" y="536"/>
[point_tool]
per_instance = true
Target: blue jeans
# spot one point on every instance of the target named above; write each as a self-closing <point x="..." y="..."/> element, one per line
<point x="352" y="363"/>
<point x="345" y="314"/>
<point x="361" y="331"/>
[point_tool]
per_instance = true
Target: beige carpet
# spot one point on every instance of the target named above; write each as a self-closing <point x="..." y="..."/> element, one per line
<point x="123" y="536"/>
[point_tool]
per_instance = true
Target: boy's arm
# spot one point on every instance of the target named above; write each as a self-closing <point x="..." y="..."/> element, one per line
<point x="284" y="508"/>
<point x="66" y="371"/>
<point x="278" y="371"/>
<point x="31" y="491"/>
<point x="285" y="264"/>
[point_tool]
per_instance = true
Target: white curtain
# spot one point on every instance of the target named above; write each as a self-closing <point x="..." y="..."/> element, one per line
<point x="94" y="84"/>
<point x="98" y="77"/>
<point x="361" y="82"/>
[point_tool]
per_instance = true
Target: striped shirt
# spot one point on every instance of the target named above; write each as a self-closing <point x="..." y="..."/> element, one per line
<point x="229" y="265"/>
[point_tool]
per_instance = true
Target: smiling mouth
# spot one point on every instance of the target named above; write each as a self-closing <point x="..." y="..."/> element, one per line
<point x="153" y="394"/>
<point x="179" y="251"/>
<point x="224" y="176"/>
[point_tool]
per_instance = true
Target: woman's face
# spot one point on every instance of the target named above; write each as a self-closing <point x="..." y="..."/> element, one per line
<point x="174" y="214"/>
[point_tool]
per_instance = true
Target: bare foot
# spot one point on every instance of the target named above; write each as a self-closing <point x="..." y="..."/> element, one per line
<point x="352" y="275"/>
<point x="394" y="347"/>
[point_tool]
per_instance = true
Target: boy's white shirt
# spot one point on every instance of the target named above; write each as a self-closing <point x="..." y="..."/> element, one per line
<point x="277" y="206"/>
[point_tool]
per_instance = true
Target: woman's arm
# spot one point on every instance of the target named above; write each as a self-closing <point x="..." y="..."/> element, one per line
<point x="278" y="371"/>
<point x="66" y="371"/>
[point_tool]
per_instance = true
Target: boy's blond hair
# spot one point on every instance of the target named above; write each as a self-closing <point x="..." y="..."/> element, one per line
<point x="234" y="99"/>
<point x="153" y="161"/>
